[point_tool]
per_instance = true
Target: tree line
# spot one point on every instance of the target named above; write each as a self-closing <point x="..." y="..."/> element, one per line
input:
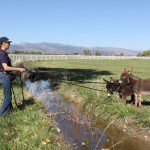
<point x="144" y="53"/>
<point x="86" y="52"/>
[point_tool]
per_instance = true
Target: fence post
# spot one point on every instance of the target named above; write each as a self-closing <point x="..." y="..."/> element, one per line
<point x="74" y="57"/>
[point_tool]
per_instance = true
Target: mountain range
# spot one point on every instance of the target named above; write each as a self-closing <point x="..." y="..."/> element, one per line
<point x="57" y="48"/>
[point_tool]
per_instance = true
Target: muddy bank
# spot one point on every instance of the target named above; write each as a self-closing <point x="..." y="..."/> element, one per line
<point x="77" y="129"/>
<point x="128" y="135"/>
<point x="82" y="130"/>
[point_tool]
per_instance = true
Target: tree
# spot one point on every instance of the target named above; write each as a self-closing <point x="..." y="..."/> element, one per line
<point x="98" y="53"/>
<point x="144" y="53"/>
<point x="120" y="54"/>
<point x="86" y="52"/>
<point x="75" y="53"/>
<point x="24" y="52"/>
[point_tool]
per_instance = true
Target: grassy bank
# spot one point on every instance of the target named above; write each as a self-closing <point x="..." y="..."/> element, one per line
<point x="134" y="118"/>
<point x="28" y="126"/>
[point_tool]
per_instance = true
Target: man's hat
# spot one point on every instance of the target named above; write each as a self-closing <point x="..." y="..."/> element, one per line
<point x="4" y="39"/>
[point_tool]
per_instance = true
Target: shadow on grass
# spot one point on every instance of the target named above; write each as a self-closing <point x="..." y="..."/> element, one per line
<point x="25" y="103"/>
<point x="73" y="74"/>
<point x="145" y="103"/>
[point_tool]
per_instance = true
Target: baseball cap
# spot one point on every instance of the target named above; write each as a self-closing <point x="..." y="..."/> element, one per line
<point x="4" y="39"/>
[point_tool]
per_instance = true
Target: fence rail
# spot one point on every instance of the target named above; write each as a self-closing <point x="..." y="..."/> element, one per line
<point x="67" y="57"/>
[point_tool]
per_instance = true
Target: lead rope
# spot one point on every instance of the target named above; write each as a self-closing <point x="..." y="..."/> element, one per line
<point x="13" y="93"/>
<point x="21" y="85"/>
<point x="22" y="92"/>
<point x="65" y="81"/>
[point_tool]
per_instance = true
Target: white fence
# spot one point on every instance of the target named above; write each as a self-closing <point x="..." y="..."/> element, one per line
<point x="67" y="57"/>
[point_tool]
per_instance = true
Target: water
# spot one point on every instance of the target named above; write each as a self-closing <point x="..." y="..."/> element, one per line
<point x="81" y="132"/>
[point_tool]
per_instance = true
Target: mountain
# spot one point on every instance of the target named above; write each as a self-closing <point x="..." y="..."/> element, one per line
<point x="57" y="48"/>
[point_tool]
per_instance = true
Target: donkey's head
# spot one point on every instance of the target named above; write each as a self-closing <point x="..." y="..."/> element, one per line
<point x="126" y="76"/>
<point x="111" y="86"/>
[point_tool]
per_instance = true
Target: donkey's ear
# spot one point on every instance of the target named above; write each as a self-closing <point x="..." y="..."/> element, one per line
<point x="125" y="70"/>
<point x="111" y="79"/>
<point x="105" y="80"/>
<point x="131" y="70"/>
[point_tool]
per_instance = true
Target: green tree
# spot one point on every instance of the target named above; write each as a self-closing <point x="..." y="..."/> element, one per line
<point x="144" y="53"/>
<point x="86" y="52"/>
<point x="120" y="54"/>
<point x="98" y="53"/>
<point x="75" y="53"/>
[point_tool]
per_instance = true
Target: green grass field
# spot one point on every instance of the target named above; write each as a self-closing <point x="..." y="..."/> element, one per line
<point x="97" y="102"/>
<point x="29" y="128"/>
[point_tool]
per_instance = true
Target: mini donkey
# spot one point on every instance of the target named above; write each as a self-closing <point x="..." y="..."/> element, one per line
<point x="139" y="85"/>
<point x="123" y="90"/>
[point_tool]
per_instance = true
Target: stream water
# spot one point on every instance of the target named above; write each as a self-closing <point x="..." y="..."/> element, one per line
<point x="81" y="132"/>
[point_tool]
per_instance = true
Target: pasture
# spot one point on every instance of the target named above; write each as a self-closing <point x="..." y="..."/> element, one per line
<point x="97" y="102"/>
<point x="29" y="126"/>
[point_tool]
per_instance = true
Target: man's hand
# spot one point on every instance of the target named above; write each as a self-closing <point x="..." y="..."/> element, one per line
<point x="8" y="68"/>
<point x="21" y="69"/>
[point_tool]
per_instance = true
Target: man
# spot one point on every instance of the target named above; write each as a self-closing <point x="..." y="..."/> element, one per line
<point x="5" y="69"/>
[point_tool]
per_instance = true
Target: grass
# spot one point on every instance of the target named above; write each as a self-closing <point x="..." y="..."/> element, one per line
<point x="97" y="102"/>
<point x="28" y="127"/>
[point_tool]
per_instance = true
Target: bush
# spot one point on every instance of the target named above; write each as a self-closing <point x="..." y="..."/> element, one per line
<point x="144" y="53"/>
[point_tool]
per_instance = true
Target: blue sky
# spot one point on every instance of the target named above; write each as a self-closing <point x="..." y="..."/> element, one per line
<point x="104" y="23"/>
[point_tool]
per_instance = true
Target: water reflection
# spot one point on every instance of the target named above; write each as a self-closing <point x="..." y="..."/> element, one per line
<point x="81" y="132"/>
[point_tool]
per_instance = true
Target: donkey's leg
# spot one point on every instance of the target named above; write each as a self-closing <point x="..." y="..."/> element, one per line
<point x="120" y="95"/>
<point x="132" y="99"/>
<point x="124" y="98"/>
<point x="136" y="99"/>
<point x="139" y="100"/>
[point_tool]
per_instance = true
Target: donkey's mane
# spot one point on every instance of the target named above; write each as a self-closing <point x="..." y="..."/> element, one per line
<point x="135" y="76"/>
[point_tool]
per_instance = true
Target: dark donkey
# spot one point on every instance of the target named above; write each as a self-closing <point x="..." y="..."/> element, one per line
<point x="139" y="85"/>
<point x="123" y="90"/>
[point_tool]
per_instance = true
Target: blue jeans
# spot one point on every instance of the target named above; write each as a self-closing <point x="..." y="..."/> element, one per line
<point x="6" y="85"/>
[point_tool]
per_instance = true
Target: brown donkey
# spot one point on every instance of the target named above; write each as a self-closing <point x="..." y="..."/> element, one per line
<point x="139" y="85"/>
<point x="123" y="90"/>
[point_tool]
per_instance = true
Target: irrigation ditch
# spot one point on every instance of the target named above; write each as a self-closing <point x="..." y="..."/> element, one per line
<point x="82" y="132"/>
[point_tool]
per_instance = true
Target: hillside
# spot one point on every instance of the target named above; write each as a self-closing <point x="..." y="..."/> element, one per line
<point x="57" y="48"/>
